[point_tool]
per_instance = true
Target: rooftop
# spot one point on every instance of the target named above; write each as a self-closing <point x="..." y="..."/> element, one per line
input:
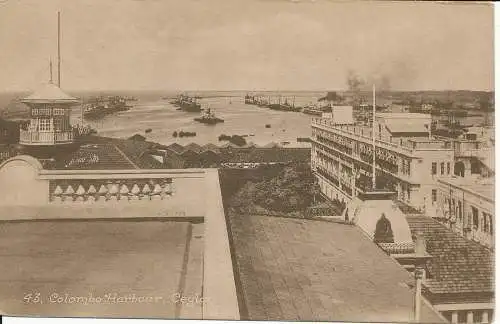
<point x="395" y="115"/>
<point x="480" y="186"/>
<point x="96" y="259"/>
<point x="458" y="265"/>
<point x="291" y="269"/>
<point x="97" y="153"/>
<point x="406" y="126"/>
<point x="49" y="93"/>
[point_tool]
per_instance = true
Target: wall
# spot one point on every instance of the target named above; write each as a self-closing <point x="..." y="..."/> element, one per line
<point x="421" y="171"/>
<point x="457" y="204"/>
<point x="19" y="183"/>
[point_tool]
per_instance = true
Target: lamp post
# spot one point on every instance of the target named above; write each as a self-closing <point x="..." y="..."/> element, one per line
<point x="421" y="258"/>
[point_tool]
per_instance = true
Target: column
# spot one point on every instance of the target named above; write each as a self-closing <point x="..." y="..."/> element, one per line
<point x="470" y="317"/>
<point x="454" y="317"/>
<point x="484" y="316"/>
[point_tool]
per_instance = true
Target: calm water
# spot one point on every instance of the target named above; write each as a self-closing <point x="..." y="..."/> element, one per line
<point x="239" y="119"/>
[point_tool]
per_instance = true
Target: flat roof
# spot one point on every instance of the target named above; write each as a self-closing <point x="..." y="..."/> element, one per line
<point x="68" y="265"/>
<point x="295" y="269"/>
<point x="483" y="187"/>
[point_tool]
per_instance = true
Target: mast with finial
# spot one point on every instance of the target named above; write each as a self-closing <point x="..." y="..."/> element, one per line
<point x="59" y="49"/>
<point x="374" y="185"/>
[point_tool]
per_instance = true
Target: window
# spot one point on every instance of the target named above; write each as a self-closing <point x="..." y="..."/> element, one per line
<point x="484" y="223"/>
<point x="434" y="167"/>
<point x="475" y="217"/>
<point x="44" y="124"/>
<point x="448" y="167"/>
<point x="442" y="168"/>
<point x="59" y="111"/>
<point x="434" y="196"/>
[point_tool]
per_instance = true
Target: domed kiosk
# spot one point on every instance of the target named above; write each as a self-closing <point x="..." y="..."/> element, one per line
<point x="377" y="210"/>
<point x="380" y="218"/>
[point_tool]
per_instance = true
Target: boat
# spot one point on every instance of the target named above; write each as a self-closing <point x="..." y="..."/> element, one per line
<point x="100" y="107"/>
<point x="312" y="111"/>
<point x="186" y="103"/>
<point x="208" y="117"/>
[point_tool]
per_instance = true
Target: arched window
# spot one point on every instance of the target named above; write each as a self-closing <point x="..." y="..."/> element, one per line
<point x="383" y="231"/>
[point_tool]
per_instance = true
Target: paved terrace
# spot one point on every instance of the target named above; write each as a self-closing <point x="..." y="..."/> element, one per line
<point x="290" y="269"/>
<point x="58" y="261"/>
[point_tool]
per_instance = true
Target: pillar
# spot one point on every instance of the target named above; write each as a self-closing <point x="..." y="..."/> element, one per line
<point x="454" y="317"/>
<point x="470" y="317"/>
<point x="484" y="316"/>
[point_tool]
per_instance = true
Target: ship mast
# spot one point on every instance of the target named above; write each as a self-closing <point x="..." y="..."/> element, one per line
<point x="374" y="185"/>
<point x="59" y="49"/>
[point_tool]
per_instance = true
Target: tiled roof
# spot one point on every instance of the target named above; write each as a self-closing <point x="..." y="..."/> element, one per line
<point x="210" y="147"/>
<point x="98" y="153"/>
<point x="457" y="265"/>
<point x="291" y="269"/>
<point x="177" y="148"/>
<point x="193" y="147"/>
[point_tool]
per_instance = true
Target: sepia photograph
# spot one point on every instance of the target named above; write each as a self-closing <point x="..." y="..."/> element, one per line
<point x="279" y="160"/>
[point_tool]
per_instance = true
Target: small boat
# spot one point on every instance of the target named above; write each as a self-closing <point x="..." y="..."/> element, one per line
<point x="268" y="125"/>
<point x="208" y="117"/>
<point x="149" y="130"/>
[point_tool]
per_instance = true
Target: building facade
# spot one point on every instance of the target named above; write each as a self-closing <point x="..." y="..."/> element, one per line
<point x="342" y="158"/>
<point x="467" y="207"/>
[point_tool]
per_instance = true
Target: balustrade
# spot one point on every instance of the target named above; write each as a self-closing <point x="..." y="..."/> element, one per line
<point x="101" y="190"/>
<point x="38" y="137"/>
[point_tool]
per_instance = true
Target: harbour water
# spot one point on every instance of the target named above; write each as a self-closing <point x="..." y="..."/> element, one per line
<point x="239" y="119"/>
<point x="162" y="118"/>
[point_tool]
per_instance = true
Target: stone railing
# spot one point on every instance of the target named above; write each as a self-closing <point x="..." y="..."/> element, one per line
<point x="126" y="186"/>
<point x="102" y="190"/>
<point x="398" y="248"/>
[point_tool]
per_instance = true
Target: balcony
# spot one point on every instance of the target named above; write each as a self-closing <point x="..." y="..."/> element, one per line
<point x="360" y="133"/>
<point x="466" y="148"/>
<point x="28" y="137"/>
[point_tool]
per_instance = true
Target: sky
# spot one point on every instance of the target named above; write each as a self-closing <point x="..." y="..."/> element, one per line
<point x="246" y="44"/>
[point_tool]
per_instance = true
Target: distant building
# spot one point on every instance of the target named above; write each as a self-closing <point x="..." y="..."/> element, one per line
<point x="409" y="160"/>
<point x="467" y="207"/>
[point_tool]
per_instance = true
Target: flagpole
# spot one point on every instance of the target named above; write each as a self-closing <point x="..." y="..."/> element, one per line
<point x="58" y="49"/>
<point x="373" y="142"/>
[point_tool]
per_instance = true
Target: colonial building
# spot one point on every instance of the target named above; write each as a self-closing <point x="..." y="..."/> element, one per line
<point x="408" y="160"/>
<point x="467" y="207"/>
